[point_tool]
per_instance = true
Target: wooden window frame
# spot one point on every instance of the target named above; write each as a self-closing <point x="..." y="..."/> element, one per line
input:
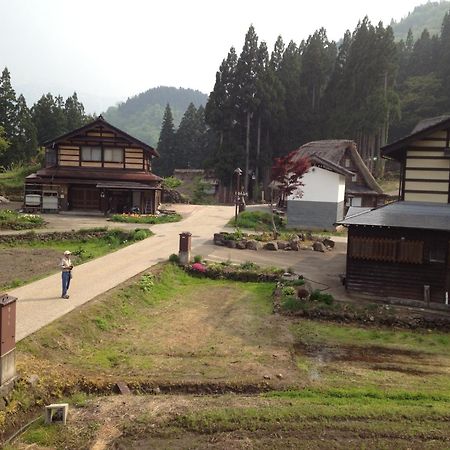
<point x="90" y="147"/>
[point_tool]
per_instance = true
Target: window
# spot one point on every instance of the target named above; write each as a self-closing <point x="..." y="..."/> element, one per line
<point x="436" y="252"/>
<point x="354" y="177"/>
<point x="91" y="153"/>
<point x="347" y="162"/>
<point x="113" y="155"/>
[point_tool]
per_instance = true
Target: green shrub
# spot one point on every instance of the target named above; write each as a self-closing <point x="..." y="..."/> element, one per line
<point x="291" y="303"/>
<point x="319" y="296"/>
<point x="140" y="235"/>
<point x="256" y="220"/>
<point x="146" y="282"/>
<point x="299" y="282"/>
<point x="172" y="182"/>
<point x="198" y="258"/>
<point x="174" y="258"/>
<point x="249" y="265"/>
<point x="288" y="290"/>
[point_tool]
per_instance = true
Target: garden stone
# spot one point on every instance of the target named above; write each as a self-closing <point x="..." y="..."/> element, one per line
<point x="319" y="247"/>
<point x="295" y="245"/>
<point x="271" y="246"/>
<point x="282" y="245"/>
<point x="241" y="245"/>
<point x="328" y="243"/>
<point x="301" y="237"/>
<point x="218" y="239"/>
<point x="230" y="244"/>
<point x="253" y="245"/>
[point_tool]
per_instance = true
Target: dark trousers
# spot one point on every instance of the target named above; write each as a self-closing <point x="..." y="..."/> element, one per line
<point x="66" y="276"/>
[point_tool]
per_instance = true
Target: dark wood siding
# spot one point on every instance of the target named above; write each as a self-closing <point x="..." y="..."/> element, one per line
<point x="398" y="279"/>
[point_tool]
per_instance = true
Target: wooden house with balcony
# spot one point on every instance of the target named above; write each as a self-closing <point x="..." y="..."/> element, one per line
<point x="402" y="250"/>
<point x="97" y="167"/>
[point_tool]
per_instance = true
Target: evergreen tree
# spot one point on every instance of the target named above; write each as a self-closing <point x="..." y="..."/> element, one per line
<point x="167" y="162"/>
<point x="4" y="144"/>
<point x="246" y="73"/>
<point x="74" y="113"/>
<point x="49" y="118"/>
<point x="8" y="105"/>
<point x="186" y="140"/>
<point x="25" y="141"/>
<point x="444" y="60"/>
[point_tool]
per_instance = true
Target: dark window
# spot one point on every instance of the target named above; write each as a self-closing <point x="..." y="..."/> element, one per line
<point x="437" y="251"/>
<point x="50" y="157"/>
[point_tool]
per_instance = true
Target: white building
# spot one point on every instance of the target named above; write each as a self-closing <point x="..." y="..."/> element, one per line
<point x="320" y="202"/>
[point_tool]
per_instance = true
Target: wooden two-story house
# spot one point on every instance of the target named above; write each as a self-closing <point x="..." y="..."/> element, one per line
<point x="97" y="168"/>
<point x="402" y="250"/>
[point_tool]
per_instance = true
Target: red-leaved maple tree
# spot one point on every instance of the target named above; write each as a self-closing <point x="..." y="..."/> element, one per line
<point x="287" y="173"/>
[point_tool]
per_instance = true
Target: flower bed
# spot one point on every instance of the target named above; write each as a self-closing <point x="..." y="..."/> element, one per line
<point x="248" y="271"/>
<point x="145" y="218"/>
<point x="12" y="220"/>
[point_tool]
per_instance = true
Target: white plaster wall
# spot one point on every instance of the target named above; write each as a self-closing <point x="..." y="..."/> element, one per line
<point x="321" y="185"/>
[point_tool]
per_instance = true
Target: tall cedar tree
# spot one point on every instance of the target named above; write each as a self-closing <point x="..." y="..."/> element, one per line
<point x="8" y="106"/>
<point x="167" y="162"/>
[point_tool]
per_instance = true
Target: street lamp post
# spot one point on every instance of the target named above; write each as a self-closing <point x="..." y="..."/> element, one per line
<point x="238" y="173"/>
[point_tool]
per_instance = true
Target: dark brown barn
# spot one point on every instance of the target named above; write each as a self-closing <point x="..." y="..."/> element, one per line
<point x="402" y="250"/>
<point x="95" y="168"/>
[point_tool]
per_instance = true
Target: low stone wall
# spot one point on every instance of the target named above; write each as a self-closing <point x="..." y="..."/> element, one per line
<point x="296" y="244"/>
<point x="48" y="237"/>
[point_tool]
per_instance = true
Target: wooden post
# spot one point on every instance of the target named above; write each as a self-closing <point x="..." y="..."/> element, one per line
<point x="7" y="338"/>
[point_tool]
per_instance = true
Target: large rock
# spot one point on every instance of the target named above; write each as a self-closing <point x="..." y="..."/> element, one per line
<point x="254" y="245"/>
<point x="295" y="244"/>
<point x="230" y="244"/>
<point x="218" y="239"/>
<point x="319" y="247"/>
<point x="241" y="245"/>
<point x="328" y="243"/>
<point x="271" y="246"/>
<point x="282" y="245"/>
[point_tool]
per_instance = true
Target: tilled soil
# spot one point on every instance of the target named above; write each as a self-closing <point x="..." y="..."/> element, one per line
<point x="24" y="264"/>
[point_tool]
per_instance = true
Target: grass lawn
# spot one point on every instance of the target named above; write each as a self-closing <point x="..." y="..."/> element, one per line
<point x="34" y="259"/>
<point x="317" y="384"/>
<point x="12" y="181"/>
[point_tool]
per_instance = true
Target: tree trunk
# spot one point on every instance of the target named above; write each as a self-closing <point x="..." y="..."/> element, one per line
<point x="247" y="152"/>
<point x="258" y="153"/>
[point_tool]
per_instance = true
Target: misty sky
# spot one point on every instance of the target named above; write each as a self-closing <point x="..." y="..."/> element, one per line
<point x="108" y="50"/>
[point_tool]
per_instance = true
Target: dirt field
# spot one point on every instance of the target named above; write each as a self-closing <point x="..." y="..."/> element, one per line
<point x="25" y="264"/>
<point x="223" y="357"/>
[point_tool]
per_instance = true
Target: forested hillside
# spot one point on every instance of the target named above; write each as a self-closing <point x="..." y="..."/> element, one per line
<point x="427" y="16"/>
<point x="370" y="89"/>
<point x="142" y="114"/>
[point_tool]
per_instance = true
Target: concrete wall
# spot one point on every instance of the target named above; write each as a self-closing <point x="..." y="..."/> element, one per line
<point x="321" y="185"/>
<point x="313" y="215"/>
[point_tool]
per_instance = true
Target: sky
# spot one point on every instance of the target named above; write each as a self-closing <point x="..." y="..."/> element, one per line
<point x="108" y="50"/>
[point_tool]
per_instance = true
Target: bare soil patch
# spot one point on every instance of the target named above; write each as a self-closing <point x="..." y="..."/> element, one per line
<point x="24" y="264"/>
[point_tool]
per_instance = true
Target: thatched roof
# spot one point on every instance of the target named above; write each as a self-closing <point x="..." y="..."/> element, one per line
<point x="333" y="150"/>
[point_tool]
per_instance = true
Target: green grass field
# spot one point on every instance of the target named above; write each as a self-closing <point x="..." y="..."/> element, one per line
<point x="313" y="384"/>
